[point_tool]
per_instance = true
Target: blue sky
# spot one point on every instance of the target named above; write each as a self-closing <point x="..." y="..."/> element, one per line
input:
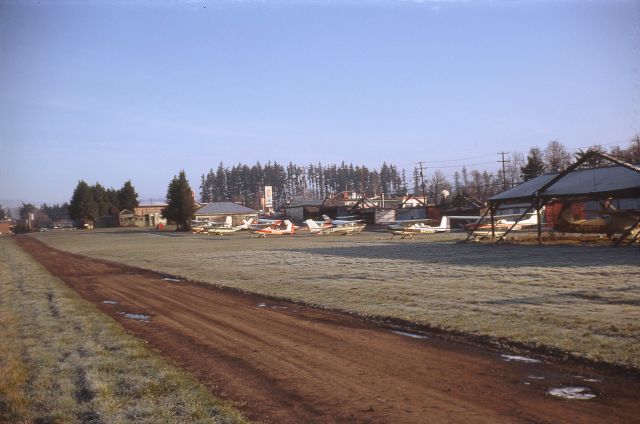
<point x="112" y="90"/>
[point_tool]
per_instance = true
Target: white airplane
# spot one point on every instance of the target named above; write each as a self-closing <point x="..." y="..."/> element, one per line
<point x="337" y="227"/>
<point x="503" y="224"/>
<point x="227" y="227"/>
<point x="409" y="228"/>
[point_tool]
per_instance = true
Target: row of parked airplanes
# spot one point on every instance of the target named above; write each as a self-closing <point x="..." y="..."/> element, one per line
<point x="350" y="225"/>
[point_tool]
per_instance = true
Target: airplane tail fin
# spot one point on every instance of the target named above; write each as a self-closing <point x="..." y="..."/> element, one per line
<point x="228" y="220"/>
<point x="289" y="225"/>
<point x="312" y="224"/>
<point x="326" y="217"/>
<point x="245" y="224"/>
<point x="444" y="223"/>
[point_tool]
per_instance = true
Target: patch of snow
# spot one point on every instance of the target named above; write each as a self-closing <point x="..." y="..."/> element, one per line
<point x="415" y="336"/>
<point x="580" y="393"/>
<point x="510" y="358"/>
<point x="139" y="317"/>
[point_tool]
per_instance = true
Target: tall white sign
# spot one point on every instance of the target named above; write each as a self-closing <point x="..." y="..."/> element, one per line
<point x="268" y="197"/>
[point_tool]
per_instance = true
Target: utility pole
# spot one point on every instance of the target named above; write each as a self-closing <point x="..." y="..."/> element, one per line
<point x="424" y="193"/>
<point x="504" y="175"/>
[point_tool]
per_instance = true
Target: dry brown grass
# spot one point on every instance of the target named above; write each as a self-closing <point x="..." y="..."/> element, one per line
<point x="63" y="361"/>
<point x="583" y="300"/>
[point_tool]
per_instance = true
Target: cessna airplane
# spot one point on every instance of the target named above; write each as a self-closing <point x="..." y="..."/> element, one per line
<point x="228" y="228"/>
<point x="273" y="229"/>
<point x="336" y="227"/>
<point x="409" y="228"/>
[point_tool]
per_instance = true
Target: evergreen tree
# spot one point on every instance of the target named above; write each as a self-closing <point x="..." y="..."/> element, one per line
<point x="180" y="204"/>
<point x="534" y="166"/>
<point x="56" y="212"/>
<point x="3" y="214"/>
<point x="83" y="208"/>
<point x="101" y="199"/>
<point x="127" y="197"/>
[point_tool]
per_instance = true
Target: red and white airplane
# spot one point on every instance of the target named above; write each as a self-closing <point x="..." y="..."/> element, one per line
<point x="274" y="228"/>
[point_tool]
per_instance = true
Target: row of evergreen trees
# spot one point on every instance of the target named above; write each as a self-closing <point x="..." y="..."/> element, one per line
<point x="242" y="183"/>
<point x="90" y="202"/>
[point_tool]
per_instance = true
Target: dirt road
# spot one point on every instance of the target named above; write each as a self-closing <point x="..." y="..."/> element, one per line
<point x="287" y="363"/>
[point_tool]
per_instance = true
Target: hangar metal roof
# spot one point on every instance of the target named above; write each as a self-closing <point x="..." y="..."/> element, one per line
<point x="300" y="201"/>
<point x="222" y="208"/>
<point x="593" y="182"/>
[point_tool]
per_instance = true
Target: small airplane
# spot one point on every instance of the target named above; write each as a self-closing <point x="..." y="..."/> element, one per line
<point x="335" y="227"/>
<point x="273" y="229"/>
<point x="201" y="227"/>
<point x="409" y="228"/>
<point x="608" y="222"/>
<point x="228" y="228"/>
<point x="502" y="224"/>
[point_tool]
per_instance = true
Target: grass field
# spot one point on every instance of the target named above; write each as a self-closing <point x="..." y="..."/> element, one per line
<point x="63" y="361"/>
<point x="581" y="300"/>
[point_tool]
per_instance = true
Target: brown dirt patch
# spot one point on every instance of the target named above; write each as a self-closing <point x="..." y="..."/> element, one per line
<point x="283" y="362"/>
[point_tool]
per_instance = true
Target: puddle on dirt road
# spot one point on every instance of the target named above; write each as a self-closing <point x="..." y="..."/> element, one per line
<point x="516" y="358"/>
<point x="139" y="317"/>
<point x="592" y="380"/>
<point x="264" y="305"/>
<point x="580" y="393"/>
<point x="412" y="335"/>
<point x="535" y="377"/>
<point x="174" y="279"/>
<point x="110" y="302"/>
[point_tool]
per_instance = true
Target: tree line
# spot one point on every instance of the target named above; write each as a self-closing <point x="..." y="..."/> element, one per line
<point x="90" y="202"/>
<point x="242" y="183"/>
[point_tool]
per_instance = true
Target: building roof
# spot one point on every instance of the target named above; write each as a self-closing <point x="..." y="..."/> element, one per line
<point x="610" y="181"/>
<point x="222" y="208"/>
<point x="298" y="201"/>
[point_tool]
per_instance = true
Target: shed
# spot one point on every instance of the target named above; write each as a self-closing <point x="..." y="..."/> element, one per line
<point x="301" y="209"/>
<point x="127" y="218"/>
<point x="218" y="211"/>
<point x="149" y="215"/>
<point x="620" y="181"/>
